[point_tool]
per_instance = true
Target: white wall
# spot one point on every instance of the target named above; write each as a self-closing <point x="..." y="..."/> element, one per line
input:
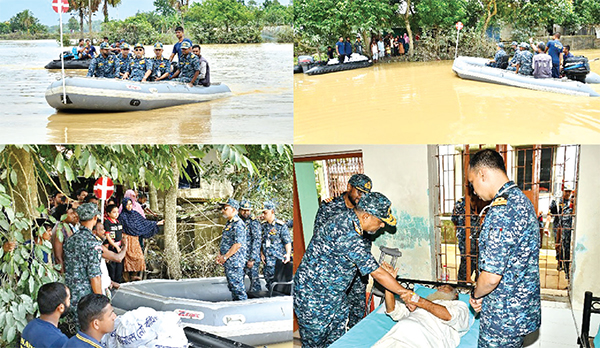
<point x="586" y="246"/>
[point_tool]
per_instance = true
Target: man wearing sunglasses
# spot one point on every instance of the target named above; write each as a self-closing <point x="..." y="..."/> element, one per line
<point x="140" y="67"/>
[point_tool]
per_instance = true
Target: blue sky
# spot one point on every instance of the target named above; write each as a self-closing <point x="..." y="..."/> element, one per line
<point x="42" y="9"/>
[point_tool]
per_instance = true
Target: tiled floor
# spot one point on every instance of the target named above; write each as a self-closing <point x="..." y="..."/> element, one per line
<point x="560" y="327"/>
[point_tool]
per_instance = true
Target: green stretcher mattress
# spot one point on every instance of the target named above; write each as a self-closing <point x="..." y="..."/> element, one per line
<point x="375" y="325"/>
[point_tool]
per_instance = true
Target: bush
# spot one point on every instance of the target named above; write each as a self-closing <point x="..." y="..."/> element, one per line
<point x="132" y="30"/>
<point x="66" y="39"/>
<point x="205" y="35"/>
<point x="442" y="45"/>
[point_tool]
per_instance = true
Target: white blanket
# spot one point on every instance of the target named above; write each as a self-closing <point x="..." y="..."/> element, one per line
<point x="421" y="329"/>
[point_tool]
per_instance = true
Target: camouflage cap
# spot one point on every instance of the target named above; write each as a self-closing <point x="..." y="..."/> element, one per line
<point x="361" y="182"/>
<point x="158" y="46"/>
<point x="379" y="206"/>
<point x="87" y="211"/>
<point x="185" y="44"/>
<point x="125" y="46"/>
<point x="138" y="45"/>
<point x="524" y="45"/>
<point x="500" y="44"/>
<point x="232" y="203"/>
<point x="514" y="43"/>
<point x="268" y="205"/>
<point x="245" y="204"/>
<point x="104" y="46"/>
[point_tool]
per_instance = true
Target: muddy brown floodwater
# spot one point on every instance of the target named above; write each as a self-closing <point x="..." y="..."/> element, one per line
<point x="260" y="109"/>
<point x="428" y="103"/>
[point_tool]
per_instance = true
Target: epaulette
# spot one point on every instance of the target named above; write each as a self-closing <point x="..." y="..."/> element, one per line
<point x="328" y="200"/>
<point x="500" y="200"/>
<point x="357" y="228"/>
<point x="281" y="222"/>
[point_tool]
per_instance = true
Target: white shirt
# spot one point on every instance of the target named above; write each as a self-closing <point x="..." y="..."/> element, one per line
<point x="105" y="277"/>
<point x="421" y="329"/>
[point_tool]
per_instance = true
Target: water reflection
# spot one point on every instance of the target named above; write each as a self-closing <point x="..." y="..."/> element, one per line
<point x="428" y="103"/>
<point x="259" y="111"/>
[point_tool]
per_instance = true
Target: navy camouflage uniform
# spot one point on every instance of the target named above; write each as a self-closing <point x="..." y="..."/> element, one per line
<point x="122" y="63"/>
<point x="357" y="294"/>
<point x="235" y="232"/>
<point x="102" y="67"/>
<point x="327" y="270"/>
<point x="160" y="66"/>
<point x="138" y="67"/>
<point x="459" y="218"/>
<point x="509" y="246"/>
<point x="325" y="275"/>
<point x="83" y="253"/>
<point x="525" y="61"/>
<point x="514" y="59"/>
<point x="253" y="247"/>
<point x="499" y="54"/>
<point x="188" y="65"/>
<point x="275" y="236"/>
<point x="566" y="222"/>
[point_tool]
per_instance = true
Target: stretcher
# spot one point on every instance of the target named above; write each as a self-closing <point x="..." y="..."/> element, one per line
<point x="375" y="325"/>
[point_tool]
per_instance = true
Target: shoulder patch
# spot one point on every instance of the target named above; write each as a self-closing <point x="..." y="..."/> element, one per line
<point x="500" y="200"/>
<point x="328" y="200"/>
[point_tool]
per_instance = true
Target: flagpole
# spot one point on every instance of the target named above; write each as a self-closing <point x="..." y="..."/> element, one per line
<point x="62" y="59"/>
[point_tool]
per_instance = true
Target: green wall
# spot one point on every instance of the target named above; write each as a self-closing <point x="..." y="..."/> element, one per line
<point x="307" y="196"/>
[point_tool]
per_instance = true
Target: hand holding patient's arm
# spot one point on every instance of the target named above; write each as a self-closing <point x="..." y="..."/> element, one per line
<point x="388" y="281"/>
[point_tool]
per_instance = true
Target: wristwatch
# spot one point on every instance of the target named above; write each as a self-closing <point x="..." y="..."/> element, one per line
<point x="473" y="295"/>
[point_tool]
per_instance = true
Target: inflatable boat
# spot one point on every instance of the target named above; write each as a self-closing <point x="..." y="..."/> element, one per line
<point x="69" y="64"/>
<point x="205" y="304"/>
<point x="99" y="94"/>
<point x="473" y="68"/>
<point x="310" y="67"/>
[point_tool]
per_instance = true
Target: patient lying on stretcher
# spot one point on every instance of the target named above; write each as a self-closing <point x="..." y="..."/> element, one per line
<point x="437" y="322"/>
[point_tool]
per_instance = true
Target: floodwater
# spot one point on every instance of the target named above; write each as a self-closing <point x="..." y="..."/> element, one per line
<point x="260" y="109"/>
<point x="427" y="103"/>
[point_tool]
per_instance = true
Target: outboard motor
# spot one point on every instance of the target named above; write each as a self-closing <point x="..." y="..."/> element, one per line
<point x="576" y="68"/>
<point x="306" y="62"/>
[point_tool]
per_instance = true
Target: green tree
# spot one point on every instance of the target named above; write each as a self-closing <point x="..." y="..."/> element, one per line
<point x="319" y="23"/>
<point x="4" y="27"/>
<point x="164" y="7"/>
<point x="26" y="22"/>
<point x="72" y="25"/>
<point x="82" y="8"/>
<point x="112" y="3"/>
<point x="433" y="14"/>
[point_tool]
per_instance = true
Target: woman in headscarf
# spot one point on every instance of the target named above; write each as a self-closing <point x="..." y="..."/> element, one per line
<point x="136" y="206"/>
<point x="134" y="226"/>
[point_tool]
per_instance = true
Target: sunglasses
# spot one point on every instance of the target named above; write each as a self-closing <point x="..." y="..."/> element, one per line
<point x="138" y="49"/>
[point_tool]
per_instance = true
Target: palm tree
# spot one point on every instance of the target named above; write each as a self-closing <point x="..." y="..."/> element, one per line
<point x="112" y="3"/>
<point x="82" y="7"/>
